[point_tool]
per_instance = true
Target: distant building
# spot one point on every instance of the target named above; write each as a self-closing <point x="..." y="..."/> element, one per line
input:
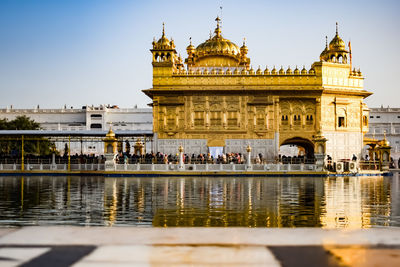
<point x="386" y="120"/>
<point x="86" y="119"/>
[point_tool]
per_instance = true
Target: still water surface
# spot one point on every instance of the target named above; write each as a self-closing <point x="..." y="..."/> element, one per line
<point x="342" y="202"/>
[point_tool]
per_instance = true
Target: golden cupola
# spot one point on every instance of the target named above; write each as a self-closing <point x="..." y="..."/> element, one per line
<point x="336" y="52"/>
<point x="164" y="53"/>
<point x="215" y="52"/>
<point x="324" y="53"/>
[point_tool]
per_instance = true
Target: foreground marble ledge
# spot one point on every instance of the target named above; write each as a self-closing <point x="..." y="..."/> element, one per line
<point x="71" y="235"/>
<point x="195" y="247"/>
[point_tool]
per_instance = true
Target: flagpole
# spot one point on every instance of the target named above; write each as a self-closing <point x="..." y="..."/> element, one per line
<point x="351" y="57"/>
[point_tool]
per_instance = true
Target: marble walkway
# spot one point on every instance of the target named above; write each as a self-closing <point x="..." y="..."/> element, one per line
<point x="133" y="246"/>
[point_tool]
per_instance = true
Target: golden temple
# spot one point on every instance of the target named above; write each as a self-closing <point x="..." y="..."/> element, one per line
<point x="216" y="100"/>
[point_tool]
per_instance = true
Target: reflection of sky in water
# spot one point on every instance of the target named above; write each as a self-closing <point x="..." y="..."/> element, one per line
<point x="341" y="202"/>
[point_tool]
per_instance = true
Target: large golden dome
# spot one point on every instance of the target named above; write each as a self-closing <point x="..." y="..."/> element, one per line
<point x="217" y="52"/>
<point x="217" y="45"/>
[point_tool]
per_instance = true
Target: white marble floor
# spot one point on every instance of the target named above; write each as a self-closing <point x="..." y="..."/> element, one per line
<point x="133" y="246"/>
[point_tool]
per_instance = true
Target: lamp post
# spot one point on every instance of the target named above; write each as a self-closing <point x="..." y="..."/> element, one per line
<point x="248" y="149"/>
<point x="181" y="165"/>
<point x="53" y="158"/>
<point x="22" y="153"/>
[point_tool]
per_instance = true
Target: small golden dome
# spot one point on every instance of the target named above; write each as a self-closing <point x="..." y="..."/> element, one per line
<point x="304" y="71"/>
<point x="289" y="71"/>
<point x="163" y="42"/>
<point x="244" y="48"/>
<point x="337" y="43"/>
<point x="266" y="71"/>
<point x="110" y="133"/>
<point x="296" y="71"/>
<point x="190" y="49"/>
<point x="273" y="71"/>
<point x="281" y="71"/>
<point x="259" y="71"/>
<point x="251" y="71"/>
<point x="110" y="136"/>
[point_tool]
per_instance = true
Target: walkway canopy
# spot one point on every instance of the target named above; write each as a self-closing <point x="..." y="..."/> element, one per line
<point x="92" y="136"/>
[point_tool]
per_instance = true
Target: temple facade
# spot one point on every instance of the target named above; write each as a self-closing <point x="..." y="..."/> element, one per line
<point x="215" y="102"/>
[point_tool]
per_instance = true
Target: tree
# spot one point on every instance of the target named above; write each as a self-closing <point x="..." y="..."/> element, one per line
<point x="19" y="123"/>
<point x="39" y="146"/>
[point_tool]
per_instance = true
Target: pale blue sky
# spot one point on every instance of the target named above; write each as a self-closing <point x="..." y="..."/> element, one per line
<point x="79" y="52"/>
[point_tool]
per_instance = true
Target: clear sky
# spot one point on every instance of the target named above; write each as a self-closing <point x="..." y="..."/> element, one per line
<point x="77" y="52"/>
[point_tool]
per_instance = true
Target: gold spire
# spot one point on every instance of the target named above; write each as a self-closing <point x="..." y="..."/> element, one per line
<point x="337" y="44"/>
<point x="218" y="29"/>
<point x="163" y="29"/>
<point x="337" y="31"/>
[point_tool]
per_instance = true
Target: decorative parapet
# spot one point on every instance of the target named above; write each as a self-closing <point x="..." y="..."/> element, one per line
<point x="241" y="71"/>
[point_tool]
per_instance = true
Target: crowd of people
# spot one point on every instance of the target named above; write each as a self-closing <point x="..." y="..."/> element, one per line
<point x="156" y="158"/>
<point x="226" y="158"/>
<point x="162" y="158"/>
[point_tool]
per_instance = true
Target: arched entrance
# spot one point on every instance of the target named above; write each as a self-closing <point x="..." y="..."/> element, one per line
<point x="305" y="146"/>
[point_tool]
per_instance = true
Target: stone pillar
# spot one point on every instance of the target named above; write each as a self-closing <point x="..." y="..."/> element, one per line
<point x="319" y="151"/>
<point x="53" y="162"/>
<point x="384" y="153"/>
<point x="181" y="165"/>
<point x="110" y="148"/>
<point x="248" y="163"/>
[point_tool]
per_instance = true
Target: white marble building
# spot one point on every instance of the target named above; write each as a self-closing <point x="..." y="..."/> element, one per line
<point x="387" y="120"/>
<point x="88" y="118"/>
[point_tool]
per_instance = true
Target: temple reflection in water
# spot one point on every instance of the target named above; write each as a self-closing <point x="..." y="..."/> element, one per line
<point x="342" y="202"/>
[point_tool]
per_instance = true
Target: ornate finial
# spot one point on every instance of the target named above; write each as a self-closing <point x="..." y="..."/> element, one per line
<point x="218" y="29"/>
<point x="337" y="28"/>
<point x="210" y="34"/>
<point x="244" y="41"/>
<point x="248" y="148"/>
<point x="326" y="41"/>
<point x="190" y="39"/>
<point x="163" y="29"/>
<point x="218" y="20"/>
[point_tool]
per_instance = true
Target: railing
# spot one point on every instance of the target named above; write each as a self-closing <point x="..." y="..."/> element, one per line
<point x="161" y="167"/>
<point x="369" y="165"/>
<point x="53" y="167"/>
<point x="49" y="160"/>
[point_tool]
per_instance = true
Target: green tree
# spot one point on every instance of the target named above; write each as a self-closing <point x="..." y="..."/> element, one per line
<point x="39" y="146"/>
<point x="19" y="123"/>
